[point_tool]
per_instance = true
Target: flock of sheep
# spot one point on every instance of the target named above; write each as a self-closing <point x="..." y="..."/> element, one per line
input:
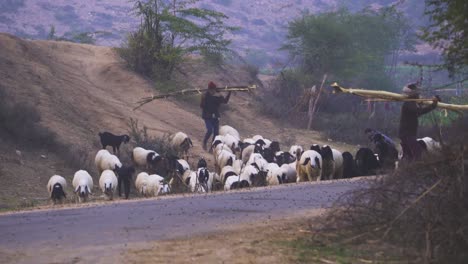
<point x="251" y="162"/>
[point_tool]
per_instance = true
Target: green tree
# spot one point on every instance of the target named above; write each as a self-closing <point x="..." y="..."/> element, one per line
<point x="352" y="47"/>
<point x="168" y="31"/>
<point x="448" y="31"/>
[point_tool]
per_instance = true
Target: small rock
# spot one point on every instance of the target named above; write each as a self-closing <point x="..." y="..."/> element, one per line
<point x="18" y="153"/>
<point x="44" y="156"/>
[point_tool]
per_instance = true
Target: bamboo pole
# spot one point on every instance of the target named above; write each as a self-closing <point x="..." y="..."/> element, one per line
<point x="384" y="95"/>
<point x="311" y="117"/>
<point x="149" y="99"/>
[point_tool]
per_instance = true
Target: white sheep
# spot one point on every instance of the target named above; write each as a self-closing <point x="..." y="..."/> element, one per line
<point x="250" y="141"/>
<point x="309" y="166"/>
<point x="146" y="158"/>
<point x="108" y="183"/>
<point x="56" y="187"/>
<point x="99" y="155"/>
<point x="108" y="161"/>
<point x="232" y="142"/>
<point x="141" y="182"/>
<point x="154" y="185"/>
<point x="82" y="184"/>
<point x="290" y="170"/>
<point x="229" y="130"/>
<point x="338" y="157"/>
<point x="182" y="143"/>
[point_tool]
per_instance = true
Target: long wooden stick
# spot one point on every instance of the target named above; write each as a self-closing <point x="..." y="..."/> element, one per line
<point x="309" y="125"/>
<point x="393" y="97"/>
<point x="149" y="99"/>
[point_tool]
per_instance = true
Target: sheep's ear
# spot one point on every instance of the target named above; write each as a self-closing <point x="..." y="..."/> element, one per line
<point x="89" y="191"/>
<point x="77" y="189"/>
<point x="317" y="161"/>
<point x="306" y="161"/>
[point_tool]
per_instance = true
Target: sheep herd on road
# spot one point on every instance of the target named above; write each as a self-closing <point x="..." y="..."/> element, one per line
<point x="238" y="164"/>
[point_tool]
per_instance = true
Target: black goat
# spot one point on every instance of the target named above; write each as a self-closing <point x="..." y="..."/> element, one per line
<point x="125" y="177"/>
<point x="109" y="139"/>
<point x="349" y="167"/>
<point x="366" y="162"/>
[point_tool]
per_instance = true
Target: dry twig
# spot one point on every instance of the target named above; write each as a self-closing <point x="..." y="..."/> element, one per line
<point x="149" y="99"/>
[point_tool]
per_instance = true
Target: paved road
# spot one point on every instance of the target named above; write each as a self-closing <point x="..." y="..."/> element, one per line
<point x="120" y="223"/>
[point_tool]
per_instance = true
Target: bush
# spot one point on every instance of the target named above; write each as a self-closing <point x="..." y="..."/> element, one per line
<point x="21" y="122"/>
<point x="422" y="208"/>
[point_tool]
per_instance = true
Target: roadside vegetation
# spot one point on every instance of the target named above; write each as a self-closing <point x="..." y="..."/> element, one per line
<point x="168" y="32"/>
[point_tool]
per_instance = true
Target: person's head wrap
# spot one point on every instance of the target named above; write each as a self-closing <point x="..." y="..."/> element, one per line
<point x="211" y="85"/>
<point x="410" y="89"/>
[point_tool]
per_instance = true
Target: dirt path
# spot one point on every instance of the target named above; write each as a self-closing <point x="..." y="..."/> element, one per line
<point x="91" y="233"/>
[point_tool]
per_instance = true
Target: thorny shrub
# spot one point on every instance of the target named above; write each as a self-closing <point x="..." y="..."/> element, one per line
<point x="422" y="207"/>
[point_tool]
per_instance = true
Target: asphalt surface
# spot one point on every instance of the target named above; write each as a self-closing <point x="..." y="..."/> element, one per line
<point x="119" y="223"/>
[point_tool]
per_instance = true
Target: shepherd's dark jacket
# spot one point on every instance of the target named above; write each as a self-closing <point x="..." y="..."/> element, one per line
<point x="210" y="104"/>
<point x="410" y="111"/>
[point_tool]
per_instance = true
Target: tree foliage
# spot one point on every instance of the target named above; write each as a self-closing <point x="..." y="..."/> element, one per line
<point x="448" y="31"/>
<point x="168" y="31"/>
<point x="353" y="47"/>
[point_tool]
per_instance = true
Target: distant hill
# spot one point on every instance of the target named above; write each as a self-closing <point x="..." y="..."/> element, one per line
<point x="264" y="22"/>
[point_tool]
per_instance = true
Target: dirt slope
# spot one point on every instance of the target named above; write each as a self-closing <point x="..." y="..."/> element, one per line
<point x="80" y="90"/>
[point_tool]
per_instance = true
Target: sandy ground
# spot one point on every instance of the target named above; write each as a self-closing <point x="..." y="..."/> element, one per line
<point x="261" y="242"/>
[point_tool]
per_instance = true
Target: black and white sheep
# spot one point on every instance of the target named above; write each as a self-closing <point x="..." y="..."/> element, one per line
<point x="227" y="171"/>
<point x="108" y="183"/>
<point x="253" y="176"/>
<point x="224" y="158"/>
<point x="309" y="166"/>
<point x="145" y="158"/>
<point x="82" y="185"/>
<point x="182" y="143"/>
<point x="202" y="180"/>
<point x="109" y="139"/>
<point x="429" y="145"/>
<point x="234" y="182"/>
<point x="284" y="157"/>
<point x="332" y="163"/>
<point x="294" y="149"/>
<point x="56" y="187"/>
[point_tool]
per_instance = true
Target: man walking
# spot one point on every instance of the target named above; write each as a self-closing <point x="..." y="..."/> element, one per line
<point x="410" y="111"/>
<point x="210" y="103"/>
